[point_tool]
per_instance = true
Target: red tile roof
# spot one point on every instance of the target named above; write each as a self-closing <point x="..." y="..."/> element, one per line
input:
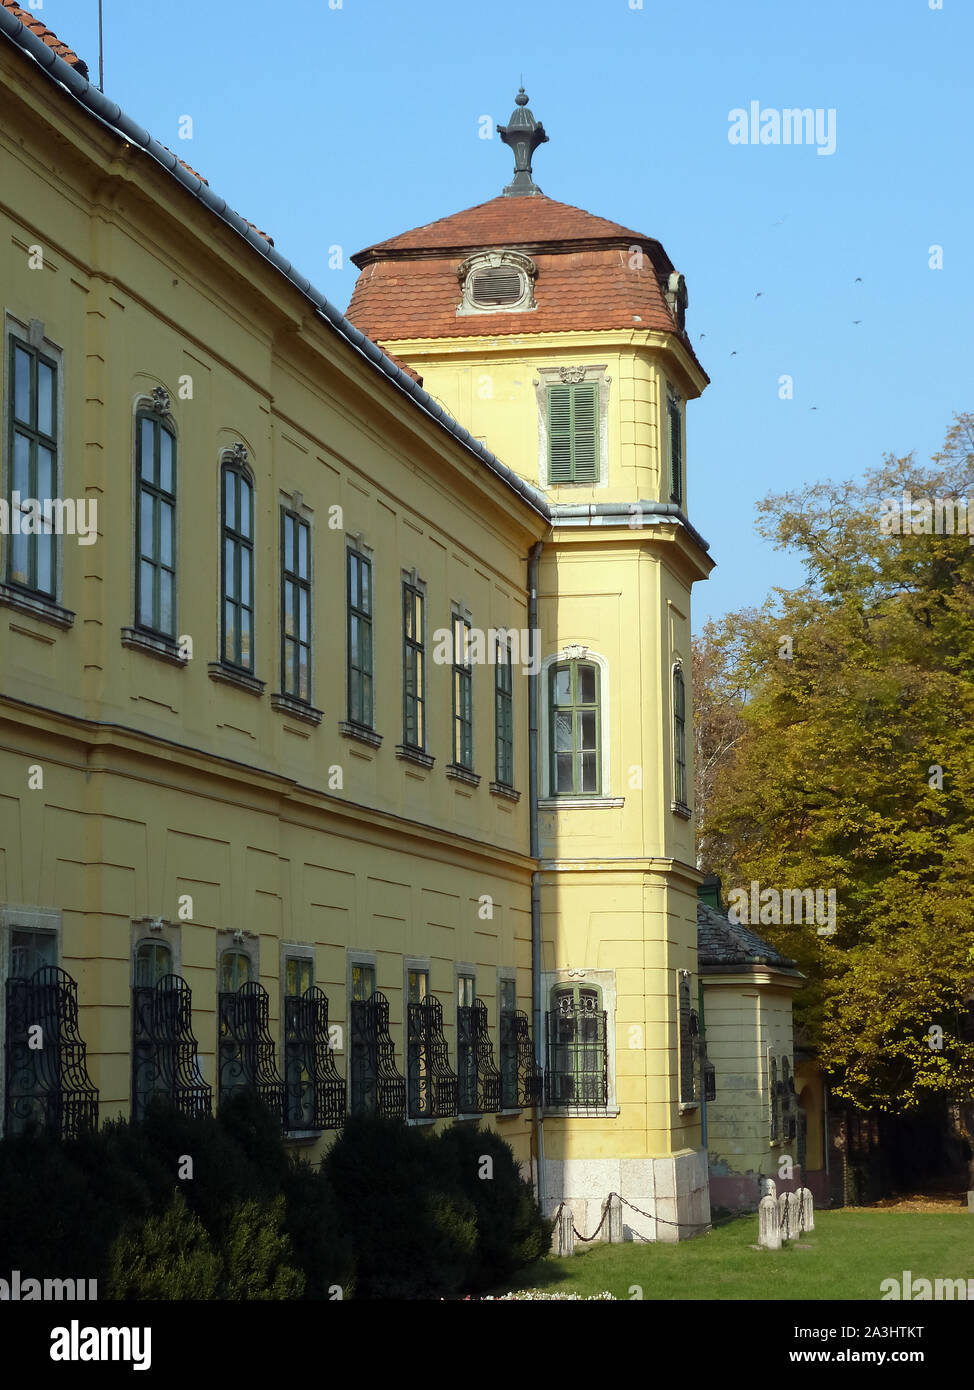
<point x="29" y="18"/>
<point x="577" y="290"/>
<point x="588" y="278"/>
<point x="509" y="222"/>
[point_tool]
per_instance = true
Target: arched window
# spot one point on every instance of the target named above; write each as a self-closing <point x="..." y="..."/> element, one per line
<point x="679" y="738"/>
<point x="155" y="524"/>
<point x="234" y="970"/>
<point x="577" y="1055"/>
<point x="574" y="727"/>
<point x="153" y="959"/>
<point x="237" y="565"/>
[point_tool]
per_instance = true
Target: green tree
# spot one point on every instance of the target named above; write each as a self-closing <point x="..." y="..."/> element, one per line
<point x="835" y="729"/>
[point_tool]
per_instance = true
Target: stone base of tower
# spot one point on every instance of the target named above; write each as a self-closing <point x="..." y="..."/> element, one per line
<point x="673" y="1190"/>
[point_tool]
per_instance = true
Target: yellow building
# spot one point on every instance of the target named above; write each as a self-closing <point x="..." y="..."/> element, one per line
<point x="338" y="757"/>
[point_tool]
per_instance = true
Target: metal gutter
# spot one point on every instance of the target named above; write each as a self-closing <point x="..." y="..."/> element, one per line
<point x="534" y="561"/>
<point x="112" y="114"/>
<point x="616" y="513"/>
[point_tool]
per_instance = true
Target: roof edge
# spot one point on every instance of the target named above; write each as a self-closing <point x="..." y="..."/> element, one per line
<point x="87" y="95"/>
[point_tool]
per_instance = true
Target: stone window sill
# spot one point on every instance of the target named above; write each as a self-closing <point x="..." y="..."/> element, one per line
<point x="360" y="733"/>
<point x="303" y="1136"/>
<point x="467" y="1116"/>
<point x="44" y="608"/>
<point x="680" y="808"/>
<point x="582" y="1112"/>
<point x="165" y="648"/>
<point x="419" y="1120"/>
<point x="687" y="1105"/>
<point x="407" y="754"/>
<point x="506" y="1114"/>
<point x="571" y="803"/>
<point x="462" y="774"/>
<point x="229" y="675"/>
<point x="299" y="709"/>
<point x="501" y="789"/>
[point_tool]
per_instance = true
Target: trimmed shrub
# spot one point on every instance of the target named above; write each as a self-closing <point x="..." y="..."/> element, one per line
<point x="412" y="1231"/>
<point x="171" y="1257"/>
<point x="314" y="1227"/>
<point x="511" y="1231"/>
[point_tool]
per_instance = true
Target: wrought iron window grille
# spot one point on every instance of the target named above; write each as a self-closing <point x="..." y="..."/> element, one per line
<point x="433" y="1084"/>
<point x="377" y="1087"/>
<point x="577" y="1072"/>
<point x="521" y="1077"/>
<point x="315" y="1092"/>
<point x="47" y="1086"/>
<point x="247" y="1060"/>
<point x="479" y="1081"/>
<point x="164" y="1050"/>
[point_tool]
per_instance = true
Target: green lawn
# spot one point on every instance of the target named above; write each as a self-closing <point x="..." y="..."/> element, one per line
<point x="846" y="1257"/>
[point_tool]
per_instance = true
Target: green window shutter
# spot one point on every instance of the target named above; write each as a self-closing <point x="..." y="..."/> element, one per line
<point x="559" y="434"/>
<point x="585" y="441"/>
<point x="676" y="452"/>
<point x="573" y="434"/>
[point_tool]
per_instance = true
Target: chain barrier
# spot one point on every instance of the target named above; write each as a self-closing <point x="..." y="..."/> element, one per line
<point x="682" y="1225"/>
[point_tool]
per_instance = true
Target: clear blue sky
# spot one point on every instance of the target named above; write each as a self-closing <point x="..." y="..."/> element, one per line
<point x="344" y="126"/>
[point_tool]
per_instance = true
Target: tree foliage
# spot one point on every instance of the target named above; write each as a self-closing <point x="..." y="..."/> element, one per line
<point x="849" y="764"/>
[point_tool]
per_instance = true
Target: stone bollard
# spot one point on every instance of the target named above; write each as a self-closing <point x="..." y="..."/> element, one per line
<point x="768" y="1188"/>
<point x="806" y="1210"/>
<point x="970" y="1201"/>
<point x="769" y="1232"/>
<point x="566" y="1233"/>
<point x="614" y="1222"/>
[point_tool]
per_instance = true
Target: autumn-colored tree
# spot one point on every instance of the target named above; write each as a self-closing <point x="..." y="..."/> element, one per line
<point x="835" y="742"/>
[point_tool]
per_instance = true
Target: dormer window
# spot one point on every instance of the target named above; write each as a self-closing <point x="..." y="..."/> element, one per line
<point x="494" y="282"/>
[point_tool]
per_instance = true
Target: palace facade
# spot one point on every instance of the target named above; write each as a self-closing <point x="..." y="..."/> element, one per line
<point x="347" y="755"/>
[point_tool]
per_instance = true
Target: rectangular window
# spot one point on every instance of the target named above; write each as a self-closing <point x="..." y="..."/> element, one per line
<point x="504" y="714"/>
<point x="361" y="1070"/>
<point x="575" y="729"/>
<point x="417" y="1061"/>
<point x="679" y="739"/>
<point x="32" y="467"/>
<point x="676" y="449"/>
<point x="466" y="1046"/>
<point x="45" y="1086"/>
<point x="573" y="433"/>
<point x="508" y="1044"/>
<point x="299" y="974"/>
<point x="238" y="569"/>
<point x="462" y="694"/>
<point x="295" y="606"/>
<point x="413" y="667"/>
<point x="155" y="525"/>
<point x="687" y="1024"/>
<point x="360" y="705"/>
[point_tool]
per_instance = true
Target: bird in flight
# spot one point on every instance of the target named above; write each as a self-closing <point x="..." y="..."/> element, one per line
<point x="857" y="320"/>
<point x="733" y="354"/>
<point x="759" y="294"/>
<point x="858" y="280"/>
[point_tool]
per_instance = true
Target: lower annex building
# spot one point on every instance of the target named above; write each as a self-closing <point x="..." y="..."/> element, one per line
<point x="339" y="758"/>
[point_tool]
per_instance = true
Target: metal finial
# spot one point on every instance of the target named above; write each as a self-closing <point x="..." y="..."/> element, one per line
<point x="524" y="134"/>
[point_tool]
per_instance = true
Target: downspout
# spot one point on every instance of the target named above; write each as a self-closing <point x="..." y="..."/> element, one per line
<point x="534" y="561"/>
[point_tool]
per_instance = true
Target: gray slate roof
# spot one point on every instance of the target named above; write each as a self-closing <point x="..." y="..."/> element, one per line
<point x="722" y="944"/>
